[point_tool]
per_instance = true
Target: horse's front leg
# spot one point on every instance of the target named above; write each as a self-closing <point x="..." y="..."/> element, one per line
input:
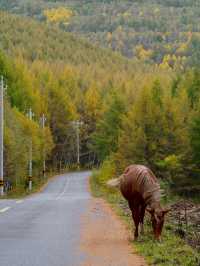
<point x="135" y="215"/>
<point x="142" y="213"/>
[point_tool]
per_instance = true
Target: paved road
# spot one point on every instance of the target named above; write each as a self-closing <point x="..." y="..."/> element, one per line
<point x="44" y="230"/>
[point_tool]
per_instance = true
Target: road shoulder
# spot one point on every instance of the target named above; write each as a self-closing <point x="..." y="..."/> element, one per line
<point x="105" y="239"/>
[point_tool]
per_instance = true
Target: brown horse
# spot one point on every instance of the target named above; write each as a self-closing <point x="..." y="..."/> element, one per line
<point x="140" y="188"/>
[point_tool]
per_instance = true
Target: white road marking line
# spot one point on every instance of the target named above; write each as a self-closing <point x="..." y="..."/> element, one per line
<point x="4" y="209"/>
<point x="19" y="201"/>
<point x="64" y="190"/>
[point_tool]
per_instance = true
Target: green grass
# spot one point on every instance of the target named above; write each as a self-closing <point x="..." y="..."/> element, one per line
<point x="172" y="251"/>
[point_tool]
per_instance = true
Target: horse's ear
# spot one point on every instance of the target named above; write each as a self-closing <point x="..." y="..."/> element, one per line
<point x="166" y="210"/>
<point x="150" y="210"/>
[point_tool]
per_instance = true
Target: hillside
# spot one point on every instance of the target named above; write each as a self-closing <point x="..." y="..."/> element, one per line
<point x="154" y="31"/>
<point x="39" y="41"/>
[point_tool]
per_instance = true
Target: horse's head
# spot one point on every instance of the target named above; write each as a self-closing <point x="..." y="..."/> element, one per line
<point x="157" y="219"/>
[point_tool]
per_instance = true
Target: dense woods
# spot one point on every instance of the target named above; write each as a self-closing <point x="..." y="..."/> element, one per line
<point x="131" y="112"/>
<point x="160" y="128"/>
<point x="155" y="31"/>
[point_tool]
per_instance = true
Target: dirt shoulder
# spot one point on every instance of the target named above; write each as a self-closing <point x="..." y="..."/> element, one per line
<point x="105" y="238"/>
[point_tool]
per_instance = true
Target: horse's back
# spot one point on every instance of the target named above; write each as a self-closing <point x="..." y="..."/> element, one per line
<point x="135" y="179"/>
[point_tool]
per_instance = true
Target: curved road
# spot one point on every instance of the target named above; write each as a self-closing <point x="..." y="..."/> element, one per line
<point x="44" y="229"/>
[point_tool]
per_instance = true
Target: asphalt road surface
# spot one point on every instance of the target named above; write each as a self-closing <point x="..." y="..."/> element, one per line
<point x="44" y="229"/>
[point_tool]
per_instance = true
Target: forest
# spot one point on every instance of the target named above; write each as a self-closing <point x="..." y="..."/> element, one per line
<point x="64" y="78"/>
<point x="154" y="31"/>
<point x="131" y="111"/>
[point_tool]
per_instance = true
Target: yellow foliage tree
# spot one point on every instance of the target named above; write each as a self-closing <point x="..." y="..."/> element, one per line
<point x="58" y="15"/>
<point x="142" y="53"/>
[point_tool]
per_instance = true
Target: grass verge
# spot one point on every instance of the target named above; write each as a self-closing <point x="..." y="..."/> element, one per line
<point x="20" y="191"/>
<point x="173" y="251"/>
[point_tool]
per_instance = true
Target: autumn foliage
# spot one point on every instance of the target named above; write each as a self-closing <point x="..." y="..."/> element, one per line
<point x="131" y="112"/>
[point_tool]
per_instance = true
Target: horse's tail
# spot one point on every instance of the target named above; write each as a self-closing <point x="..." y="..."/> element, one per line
<point x="115" y="182"/>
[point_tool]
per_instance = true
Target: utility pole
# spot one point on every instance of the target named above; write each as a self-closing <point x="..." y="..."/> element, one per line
<point x="30" y="167"/>
<point x="43" y="120"/>
<point x="77" y="125"/>
<point x="1" y="134"/>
